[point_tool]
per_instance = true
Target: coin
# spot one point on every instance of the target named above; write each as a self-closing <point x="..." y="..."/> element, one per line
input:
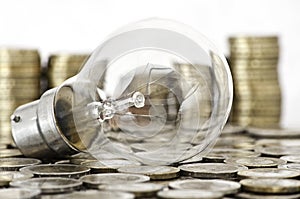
<point x="222" y="186"/>
<point x="254" y="66"/>
<point x="63" y="66"/>
<point x="274" y="133"/>
<point x="268" y="173"/>
<point x="269" y="196"/>
<point x="277" y="151"/>
<point x="107" y="166"/>
<point x="138" y="189"/>
<point x="94" y="180"/>
<point x="227" y="153"/>
<point x="5" y="153"/>
<point x="7" y="176"/>
<point x="192" y="194"/>
<point x="91" y="194"/>
<point x="14" y="164"/>
<point x="154" y="172"/>
<point x="292" y="166"/>
<point x="17" y="193"/>
<point x="58" y="170"/>
<point x="291" y="158"/>
<point x="291" y="142"/>
<point x="195" y="159"/>
<point x="256" y="162"/>
<point x="278" y="186"/>
<point x="49" y="185"/>
<point x="232" y="129"/>
<point x="210" y="170"/>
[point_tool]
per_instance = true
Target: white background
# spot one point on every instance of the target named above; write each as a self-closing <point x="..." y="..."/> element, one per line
<point x="81" y="25"/>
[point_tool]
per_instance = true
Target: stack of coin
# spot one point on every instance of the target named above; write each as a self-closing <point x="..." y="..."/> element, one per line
<point x="63" y="66"/>
<point x="19" y="83"/>
<point x="257" y="96"/>
<point x="198" y="79"/>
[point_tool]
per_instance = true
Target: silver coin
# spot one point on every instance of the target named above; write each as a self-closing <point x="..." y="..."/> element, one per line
<point x="291" y="158"/>
<point x="278" y="142"/>
<point x="277" y="151"/>
<point x="222" y="186"/>
<point x="267" y="185"/>
<point x="231" y="153"/>
<point x="269" y="173"/>
<point x="231" y="129"/>
<point x="94" y="180"/>
<point x="256" y="162"/>
<point x="189" y="194"/>
<point x="14" y="164"/>
<point x="108" y="166"/>
<point x="138" y="189"/>
<point x="274" y="133"/>
<point x="49" y="185"/>
<point x="56" y="170"/>
<point x="210" y="170"/>
<point x="7" y="176"/>
<point x="91" y="194"/>
<point x="245" y="195"/>
<point x="195" y="159"/>
<point x="6" y="153"/>
<point x="293" y="166"/>
<point x="20" y="193"/>
<point x="154" y="172"/>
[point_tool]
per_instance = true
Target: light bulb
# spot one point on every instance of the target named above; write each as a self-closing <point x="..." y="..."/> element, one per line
<point x="156" y="92"/>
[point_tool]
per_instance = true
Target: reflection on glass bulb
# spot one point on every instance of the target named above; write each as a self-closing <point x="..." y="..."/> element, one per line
<point x="155" y="92"/>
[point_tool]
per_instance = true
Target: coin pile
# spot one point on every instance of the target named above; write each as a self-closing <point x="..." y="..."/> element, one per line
<point x="257" y="94"/>
<point x="63" y="66"/>
<point x="268" y="169"/>
<point x="19" y="83"/>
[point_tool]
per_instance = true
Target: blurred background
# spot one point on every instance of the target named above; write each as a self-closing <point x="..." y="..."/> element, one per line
<point x="78" y="26"/>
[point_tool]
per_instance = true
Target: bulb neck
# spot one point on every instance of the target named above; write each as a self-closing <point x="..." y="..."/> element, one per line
<point x="35" y="131"/>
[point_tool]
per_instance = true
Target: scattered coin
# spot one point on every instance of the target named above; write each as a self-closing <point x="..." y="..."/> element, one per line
<point x="56" y="170"/>
<point x="14" y="164"/>
<point x="138" y="189"/>
<point x="7" y="176"/>
<point x="279" y="186"/>
<point x="94" y="180"/>
<point x="230" y="153"/>
<point x="223" y="186"/>
<point x="277" y="151"/>
<point x="256" y="162"/>
<point x="18" y="193"/>
<point x="91" y="194"/>
<point x="154" y="172"/>
<point x="49" y="185"/>
<point x="245" y="195"/>
<point x="108" y="166"/>
<point x="291" y="158"/>
<point x="6" y="153"/>
<point x="293" y="166"/>
<point x="189" y="194"/>
<point x="195" y="159"/>
<point x="210" y="170"/>
<point x="274" y="133"/>
<point x="269" y="173"/>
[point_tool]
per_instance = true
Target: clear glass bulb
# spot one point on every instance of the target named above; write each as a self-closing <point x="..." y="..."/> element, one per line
<point x="156" y="92"/>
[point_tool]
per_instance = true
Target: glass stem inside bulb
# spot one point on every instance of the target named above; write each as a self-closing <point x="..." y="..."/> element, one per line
<point x="108" y="108"/>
